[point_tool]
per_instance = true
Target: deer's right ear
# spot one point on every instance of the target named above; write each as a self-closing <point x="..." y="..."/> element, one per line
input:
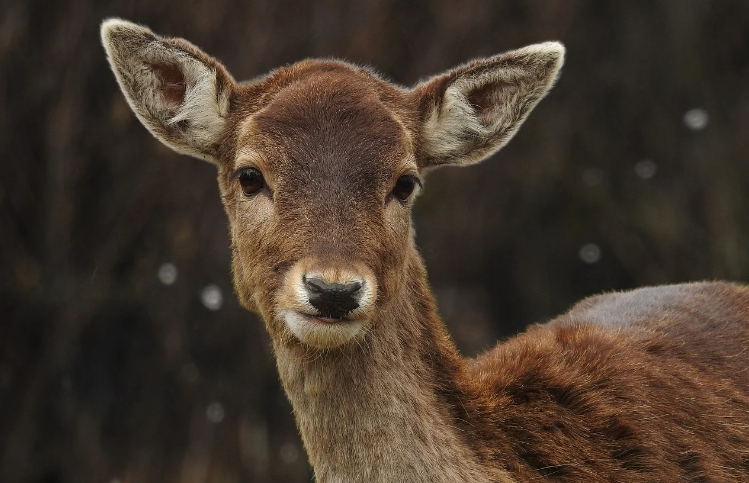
<point x="470" y="112"/>
<point x="178" y="92"/>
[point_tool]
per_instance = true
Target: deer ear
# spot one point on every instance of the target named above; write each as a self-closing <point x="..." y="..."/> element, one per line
<point x="472" y="111"/>
<point x="178" y="92"/>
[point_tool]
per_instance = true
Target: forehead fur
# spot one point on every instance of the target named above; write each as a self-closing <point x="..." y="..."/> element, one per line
<point x="322" y="110"/>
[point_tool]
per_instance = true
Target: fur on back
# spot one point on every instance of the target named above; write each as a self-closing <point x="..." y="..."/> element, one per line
<point x="664" y="397"/>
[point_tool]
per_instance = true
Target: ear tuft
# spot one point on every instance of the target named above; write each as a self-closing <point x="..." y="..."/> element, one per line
<point x="178" y="92"/>
<point x="115" y="31"/>
<point x="472" y="111"/>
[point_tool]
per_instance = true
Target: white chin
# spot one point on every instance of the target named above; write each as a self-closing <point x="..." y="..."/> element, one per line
<point x="319" y="334"/>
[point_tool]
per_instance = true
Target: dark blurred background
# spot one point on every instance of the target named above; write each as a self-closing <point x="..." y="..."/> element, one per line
<point x="124" y="355"/>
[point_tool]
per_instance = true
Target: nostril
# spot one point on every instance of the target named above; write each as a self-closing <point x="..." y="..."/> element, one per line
<point x="352" y="288"/>
<point x="317" y="286"/>
<point x="314" y="285"/>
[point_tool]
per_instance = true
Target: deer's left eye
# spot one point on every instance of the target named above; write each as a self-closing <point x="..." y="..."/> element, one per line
<point x="251" y="180"/>
<point x="405" y="186"/>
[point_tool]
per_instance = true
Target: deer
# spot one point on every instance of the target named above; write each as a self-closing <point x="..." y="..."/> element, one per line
<point x="319" y="163"/>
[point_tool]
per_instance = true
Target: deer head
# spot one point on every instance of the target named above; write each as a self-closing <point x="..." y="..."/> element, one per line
<point x="320" y="162"/>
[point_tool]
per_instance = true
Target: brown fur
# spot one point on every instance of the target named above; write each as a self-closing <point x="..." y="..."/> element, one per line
<point x="649" y="385"/>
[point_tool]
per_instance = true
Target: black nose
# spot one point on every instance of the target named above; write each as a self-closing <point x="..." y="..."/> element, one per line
<point x="332" y="300"/>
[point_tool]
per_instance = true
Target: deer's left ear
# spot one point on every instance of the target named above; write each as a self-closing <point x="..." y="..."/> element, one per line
<point x="472" y="111"/>
<point x="179" y="93"/>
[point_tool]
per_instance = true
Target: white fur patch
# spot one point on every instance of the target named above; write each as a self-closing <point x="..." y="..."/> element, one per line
<point x="447" y="127"/>
<point x="319" y="334"/>
<point x="203" y="107"/>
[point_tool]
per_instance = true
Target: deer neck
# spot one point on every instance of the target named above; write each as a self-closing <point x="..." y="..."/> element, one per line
<point x="380" y="410"/>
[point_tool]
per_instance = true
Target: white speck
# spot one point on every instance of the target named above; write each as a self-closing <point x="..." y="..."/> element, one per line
<point x="189" y="372"/>
<point x="592" y="176"/>
<point x="289" y="453"/>
<point x="590" y="253"/>
<point x="696" y="119"/>
<point x="215" y="412"/>
<point x="212" y="297"/>
<point x="645" y="169"/>
<point x="167" y="273"/>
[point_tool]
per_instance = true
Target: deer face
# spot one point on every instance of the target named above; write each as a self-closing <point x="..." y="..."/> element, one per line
<point x="318" y="190"/>
<point x="319" y="164"/>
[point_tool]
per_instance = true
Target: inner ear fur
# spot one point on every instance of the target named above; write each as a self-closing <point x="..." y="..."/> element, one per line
<point x="470" y="112"/>
<point x="179" y="93"/>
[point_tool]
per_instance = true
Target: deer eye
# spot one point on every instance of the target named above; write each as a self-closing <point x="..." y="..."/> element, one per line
<point x="405" y="186"/>
<point x="251" y="180"/>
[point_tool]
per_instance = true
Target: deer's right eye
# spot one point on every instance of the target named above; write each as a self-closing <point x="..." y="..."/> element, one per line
<point x="251" y="180"/>
<point x="405" y="186"/>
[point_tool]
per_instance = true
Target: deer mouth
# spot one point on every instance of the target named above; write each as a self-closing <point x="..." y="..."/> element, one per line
<point x="329" y="320"/>
<point x="322" y="332"/>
